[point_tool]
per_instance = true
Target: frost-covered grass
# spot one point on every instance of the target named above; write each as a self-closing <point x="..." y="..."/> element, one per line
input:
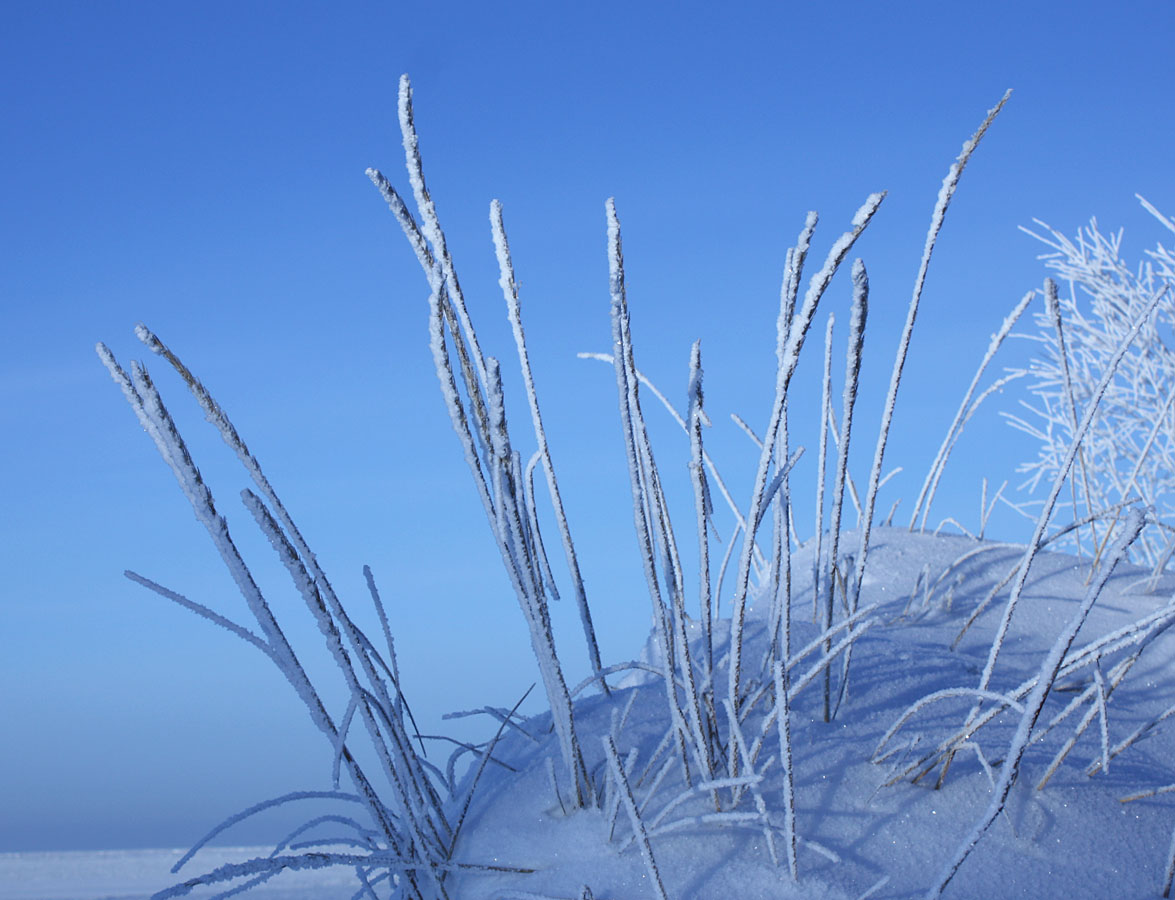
<point x="875" y="701"/>
<point x="1128" y="452"/>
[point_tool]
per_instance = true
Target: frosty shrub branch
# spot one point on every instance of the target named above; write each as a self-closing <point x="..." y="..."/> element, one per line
<point x="1129" y="451"/>
<point x="708" y="768"/>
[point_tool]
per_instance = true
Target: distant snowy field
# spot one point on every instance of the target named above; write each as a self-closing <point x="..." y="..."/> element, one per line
<point x="137" y="874"/>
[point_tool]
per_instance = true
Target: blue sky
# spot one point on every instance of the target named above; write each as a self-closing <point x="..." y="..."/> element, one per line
<point x="200" y="168"/>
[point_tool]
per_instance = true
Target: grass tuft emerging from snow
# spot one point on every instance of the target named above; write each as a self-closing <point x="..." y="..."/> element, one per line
<point x="859" y="723"/>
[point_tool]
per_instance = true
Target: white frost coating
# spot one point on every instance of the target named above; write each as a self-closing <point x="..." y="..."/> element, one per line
<point x="821" y="279"/>
<point x="789" y="360"/>
<point x="1129" y="741"/>
<point x="381" y="613"/>
<point x="858" y="315"/>
<point x="857" y="319"/>
<point x="1139" y="633"/>
<point x="418" y="808"/>
<point x="946" y="192"/>
<point x="1133" y="427"/>
<point x="876" y="886"/>
<point x="825" y="636"/>
<point x="825" y="661"/>
<point x="692" y="793"/>
<point x="203" y="611"/>
<point x="341" y="741"/>
<point x="431" y="228"/>
<point x="517" y="559"/>
<point x="1116" y="675"/>
<point x="216" y="415"/>
<point x="149" y="408"/>
<point x="506" y="510"/>
<point x="1102" y="717"/>
<point x="703" y="508"/>
<point x="316" y="587"/>
<point x="641" y="474"/>
<point x="1163" y="220"/>
<point x="792" y="273"/>
<point x="397" y="760"/>
<point x="1052" y="308"/>
<point x="1044" y="682"/>
<point x="1050" y="502"/>
<point x="778" y="480"/>
<point x="261" y="807"/>
<point x="271" y="865"/>
<point x="448" y="385"/>
<point x="740" y="521"/>
<point x="738" y="741"/>
<point x="947" y="694"/>
<point x="825" y="413"/>
<point x="781" y="563"/>
<point x="780" y="584"/>
<point x="940" y="459"/>
<point x="1055" y="537"/>
<point x="404" y="217"/>
<point x="783" y="721"/>
<point x="174" y="451"/>
<point x="510" y="292"/>
<point x="625" y="793"/>
<point x="532" y="513"/>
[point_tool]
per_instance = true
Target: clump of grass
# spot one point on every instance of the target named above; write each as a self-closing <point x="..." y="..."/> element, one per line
<point x="413" y="834"/>
<point x="729" y="712"/>
<point x="707" y="751"/>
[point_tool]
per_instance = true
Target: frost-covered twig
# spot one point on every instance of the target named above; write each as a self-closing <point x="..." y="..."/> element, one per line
<point x="510" y="292"/>
<point x="783" y="721"/>
<point x="1045" y="679"/>
<point x="653" y="533"/>
<point x="625" y="793"/>
<point x="1139" y="633"/>
<point x="788" y="360"/>
<point x="940" y="460"/>
<point x="946" y="694"/>
<point x="1127" y="742"/>
<point x="516" y="552"/>
<point x="1050" y="502"/>
<point x="1116" y="675"/>
<point x="486" y="756"/>
<point x="144" y="398"/>
<point x="322" y="860"/>
<point x="739" y="745"/>
<point x="825" y="414"/>
<point x="431" y="229"/>
<point x="1133" y="431"/>
<point x="949" y="185"/>
<point x="1012" y="573"/>
<point x="1052" y="308"/>
<point x="857" y="318"/>
<point x="647" y="383"/>
<point x="703" y="508"/>
<point x="201" y="610"/>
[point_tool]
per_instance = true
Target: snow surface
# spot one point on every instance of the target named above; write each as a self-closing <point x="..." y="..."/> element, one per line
<point x="1073" y="839"/>
<point x="857" y="836"/>
<point x="137" y="874"/>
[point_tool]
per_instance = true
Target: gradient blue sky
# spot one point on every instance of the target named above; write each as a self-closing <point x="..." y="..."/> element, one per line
<point x="200" y="167"/>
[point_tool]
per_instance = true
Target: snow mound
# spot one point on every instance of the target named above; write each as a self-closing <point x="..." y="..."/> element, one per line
<point x="858" y="835"/>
